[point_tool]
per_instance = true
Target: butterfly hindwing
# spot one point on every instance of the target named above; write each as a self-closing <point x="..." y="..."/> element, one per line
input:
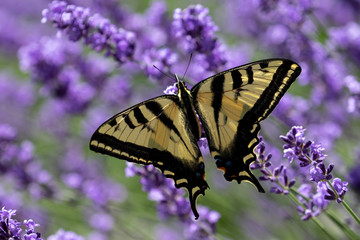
<point x="232" y="103"/>
<point x="154" y="132"/>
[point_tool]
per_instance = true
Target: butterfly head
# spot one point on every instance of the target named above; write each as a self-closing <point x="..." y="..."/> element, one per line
<point x="182" y="89"/>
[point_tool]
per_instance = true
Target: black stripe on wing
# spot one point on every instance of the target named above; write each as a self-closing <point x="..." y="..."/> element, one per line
<point x="156" y="109"/>
<point x="238" y="160"/>
<point x="272" y="94"/>
<point x="217" y="87"/>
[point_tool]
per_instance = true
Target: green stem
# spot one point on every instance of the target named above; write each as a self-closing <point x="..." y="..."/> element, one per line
<point x="295" y="199"/>
<point x="292" y="194"/>
<point x="345" y="228"/>
<point x="346" y="206"/>
<point x="316" y="221"/>
<point x="352" y="213"/>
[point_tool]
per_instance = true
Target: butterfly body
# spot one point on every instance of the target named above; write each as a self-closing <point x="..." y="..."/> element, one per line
<point x="186" y="101"/>
<point x="164" y="131"/>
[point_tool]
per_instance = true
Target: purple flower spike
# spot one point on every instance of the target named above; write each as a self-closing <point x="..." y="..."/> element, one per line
<point x="163" y="59"/>
<point x="340" y="187"/>
<point x="97" y="32"/>
<point x="11" y="228"/>
<point x="296" y="148"/>
<point x="205" y="227"/>
<point x="7" y="133"/>
<point x="276" y="175"/>
<point x="314" y="203"/>
<point x="320" y="173"/>
<point x="87" y="178"/>
<point x="316" y="153"/>
<point x="354" y="178"/>
<point x="65" y="235"/>
<point x="18" y="163"/>
<point x="294" y="140"/>
<point x="276" y="190"/>
<point x="172" y="89"/>
<point x="196" y="26"/>
<point x="196" y="31"/>
<point x="63" y="73"/>
<point x="307" y="214"/>
<point x="171" y="202"/>
<point x="262" y="160"/>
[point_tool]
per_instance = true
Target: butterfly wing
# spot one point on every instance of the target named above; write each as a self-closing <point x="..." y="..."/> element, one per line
<point x="232" y="103"/>
<point x="154" y="132"/>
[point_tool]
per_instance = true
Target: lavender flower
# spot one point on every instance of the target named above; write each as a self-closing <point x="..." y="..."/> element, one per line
<point x="97" y="32"/>
<point x="152" y="28"/>
<point x="11" y="228"/>
<point x="305" y="152"/>
<point x="195" y="24"/>
<point x="196" y="32"/>
<point x="116" y="90"/>
<point x="347" y="37"/>
<point x="309" y="154"/>
<point x="293" y="110"/>
<point x="65" y="235"/>
<point x="205" y="228"/>
<point x="171" y="202"/>
<point x="44" y="59"/>
<point x="161" y="189"/>
<point x="340" y="190"/>
<point x="51" y="63"/>
<point x="163" y="59"/>
<point x="172" y="89"/>
<point x="276" y="175"/>
<point x="102" y="221"/>
<point x="15" y="91"/>
<point x="18" y="31"/>
<point x="87" y="178"/>
<point x="354" y="178"/>
<point x="19" y="164"/>
<point x="7" y="134"/>
<point x="354" y="99"/>
<point x="312" y="204"/>
<point x="261" y="161"/>
<point x="18" y="94"/>
<point x="320" y="173"/>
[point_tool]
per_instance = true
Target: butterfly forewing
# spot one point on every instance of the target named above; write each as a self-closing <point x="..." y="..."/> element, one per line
<point x="154" y="132"/>
<point x="232" y="103"/>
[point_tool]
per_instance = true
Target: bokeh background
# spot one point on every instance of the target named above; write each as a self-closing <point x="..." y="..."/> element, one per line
<point x="66" y="69"/>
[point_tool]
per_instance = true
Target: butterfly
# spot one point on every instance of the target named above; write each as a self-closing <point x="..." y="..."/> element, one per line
<point x="164" y="131"/>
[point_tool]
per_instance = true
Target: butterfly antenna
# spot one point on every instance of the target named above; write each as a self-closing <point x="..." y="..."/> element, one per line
<point x="164" y="73"/>
<point x="187" y="67"/>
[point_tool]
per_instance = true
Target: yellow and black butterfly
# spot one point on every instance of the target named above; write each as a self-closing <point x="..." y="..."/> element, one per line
<point x="164" y="131"/>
